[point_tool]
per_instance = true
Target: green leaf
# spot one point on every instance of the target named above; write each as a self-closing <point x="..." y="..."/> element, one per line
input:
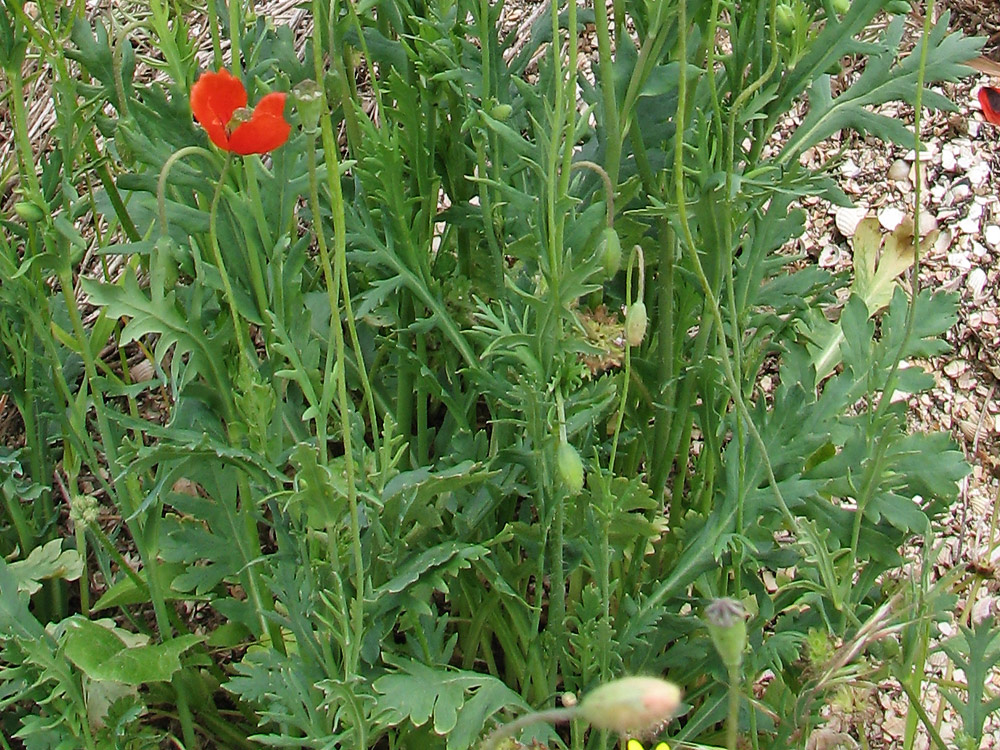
<point x="104" y="652"/>
<point x="50" y="561"/>
<point x="419" y="693"/>
<point x="157" y="315"/>
<point x="882" y="81"/>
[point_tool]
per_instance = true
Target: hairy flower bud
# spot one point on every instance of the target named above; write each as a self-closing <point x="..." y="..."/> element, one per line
<point x="609" y="251"/>
<point x="502" y="112"/>
<point x="29" y="211"/>
<point x="570" y="468"/>
<point x="635" y="323"/>
<point x="727" y="625"/>
<point x="784" y="18"/>
<point x="631" y="705"/>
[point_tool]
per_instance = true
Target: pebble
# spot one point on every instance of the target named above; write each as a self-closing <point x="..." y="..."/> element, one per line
<point x="899" y="171"/>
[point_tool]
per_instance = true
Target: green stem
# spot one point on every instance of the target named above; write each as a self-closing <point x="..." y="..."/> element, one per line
<point x="247" y="354"/>
<point x="612" y="128"/>
<point x="267" y="242"/>
<point x="213" y="26"/>
<point x="235" y="33"/>
<point x="692" y="252"/>
<point x="733" y="714"/>
<point x="911" y="313"/>
<point x="340" y="257"/>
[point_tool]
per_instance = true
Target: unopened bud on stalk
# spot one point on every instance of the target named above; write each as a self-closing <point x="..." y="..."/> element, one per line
<point x="635" y="323"/>
<point x="609" y="251"/>
<point x="570" y="467"/>
<point x="728" y="627"/>
<point x="631" y="705"/>
<point x="502" y="112"/>
<point x="29" y="211"/>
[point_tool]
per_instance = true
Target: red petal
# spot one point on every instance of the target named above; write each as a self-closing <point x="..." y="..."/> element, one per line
<point x="214" y="98"/>
<point x="265" y="131"/>
<point x="989" y="98"/>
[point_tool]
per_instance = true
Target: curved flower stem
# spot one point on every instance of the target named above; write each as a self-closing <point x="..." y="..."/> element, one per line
<point x="609" y="189"/>
<point x="553" y="715"/>
<point x="911" y="313"/>
<point x="161" y="183"/>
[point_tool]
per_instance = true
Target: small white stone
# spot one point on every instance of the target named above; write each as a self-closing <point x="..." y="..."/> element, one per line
<point x="969" y="226"/>
<point x="829" y="257"/>
<point x="992" y="235"/>
<point x="899" y="171"/>
<point x="976" y="281"/>
<point x="890" y="217"/>
<point x="928" y="223"/>
<point x="848" y="218"/>
<point x="960" y="261"/>
<point x="850" y="169"/>
<point x="948" y="161"/>
<point x="978" y="174"/>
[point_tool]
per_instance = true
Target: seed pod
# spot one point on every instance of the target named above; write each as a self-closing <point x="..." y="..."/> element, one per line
<point x="29" y="211"/>
<point x="570" y="467"/>
<point x="635" y="323"/>
<point x="784" y="19"/>
<point x="308" y="97"/>
<point x="631" y="705"/>
<point x="841" y="7"/>
<point x="898" y="7"/>
<point x="502" y="112"/>
<point x="609" y="250"/>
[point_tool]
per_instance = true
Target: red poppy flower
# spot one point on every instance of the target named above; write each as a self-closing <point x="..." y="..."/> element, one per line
<point x="218" y="101"/>
<point x="989" y="98"/>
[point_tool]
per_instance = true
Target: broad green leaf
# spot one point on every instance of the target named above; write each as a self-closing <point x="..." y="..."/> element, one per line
<point x="104" y="652"/>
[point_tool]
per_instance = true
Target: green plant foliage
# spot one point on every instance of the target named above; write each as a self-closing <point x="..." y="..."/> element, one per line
<point x="455" y="402"/>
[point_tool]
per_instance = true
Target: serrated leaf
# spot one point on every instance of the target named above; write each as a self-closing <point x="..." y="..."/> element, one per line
<point x="150" y="315"/>
<point x="420" y="693"/>
<point x="45" y="563"/>
<point x="883" y="80"/>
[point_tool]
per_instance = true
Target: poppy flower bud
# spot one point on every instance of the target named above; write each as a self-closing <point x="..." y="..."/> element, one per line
<point x="501" y="112"/>
<point x="309" y="103"/>
<point x="784" y="18"/>
<point x="635" y="323"/>
<point x="631" y="705"/>
<point x="570" y="467"/>
<point x="842" y="6"/>
<point x="609" y="250"/>
<point x="727" y="625"/>
<point x="29" y="211"/>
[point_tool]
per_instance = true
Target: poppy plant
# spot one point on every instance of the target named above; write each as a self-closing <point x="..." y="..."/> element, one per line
<point x="989" y="98"/>
<point x="219" y="103"/>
